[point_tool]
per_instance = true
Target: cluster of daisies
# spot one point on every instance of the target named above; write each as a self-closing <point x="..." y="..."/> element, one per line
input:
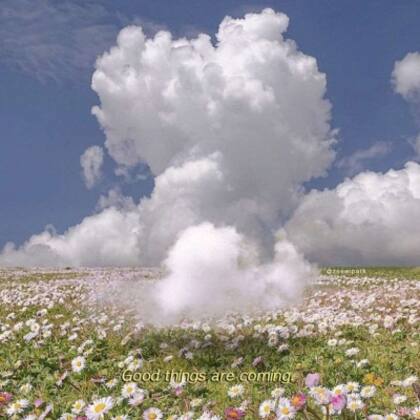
<point x="62" y="352"/>
<point x="350" y="397"/>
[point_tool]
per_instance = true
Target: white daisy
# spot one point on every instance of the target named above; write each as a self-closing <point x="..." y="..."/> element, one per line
<point x="152" y="413"/>
<point x="99" y="407"/>
<point x="352" y="352"/>
<point x="205" y="416"/>
<point x="285" y="410"/>
<point x="390" y="416"/>
<point x="352" y="387"/>
<point x="17" y="407"/>
<point x="265" y="409"/>
<point x="339" y="390"/>
<point x="111" y="383"/>
<point x="137" y="398"/>
<point x="355" y="405"/>
<point x="398" y="398"/>
<point x="362" y="363"/>
<point x="321" y="394"/>
<point x="78" y="406"/>
<point x="67" y="416"/>
<point x="78" y="364"/>
<point x="236" y="391"/>
<point x="416" y="412"/>
<point x="409" y="381"/>
<point x="129" y="389"/>
<point x="368" y="391"/>
<point x="135" y="365"/>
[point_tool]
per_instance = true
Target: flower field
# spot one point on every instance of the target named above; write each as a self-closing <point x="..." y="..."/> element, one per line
<point x="350" y="350"/>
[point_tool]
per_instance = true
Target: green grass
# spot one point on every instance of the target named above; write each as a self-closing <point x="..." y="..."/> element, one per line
<point x="392" y="355"/>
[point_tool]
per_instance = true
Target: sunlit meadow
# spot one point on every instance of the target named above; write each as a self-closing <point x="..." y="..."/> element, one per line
<point x="350" y="351"/>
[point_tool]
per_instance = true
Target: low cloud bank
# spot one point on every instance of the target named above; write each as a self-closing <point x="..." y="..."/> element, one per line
<point x="370" y="219"/>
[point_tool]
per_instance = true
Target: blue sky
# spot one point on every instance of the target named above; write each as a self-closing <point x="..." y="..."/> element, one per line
<point x="47" y="51"/>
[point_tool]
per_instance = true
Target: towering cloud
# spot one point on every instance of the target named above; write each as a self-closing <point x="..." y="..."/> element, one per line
<point x="230" y="130"/>
<point x="253" y="98"/>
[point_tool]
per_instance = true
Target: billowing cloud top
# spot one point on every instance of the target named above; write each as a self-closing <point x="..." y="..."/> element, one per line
<point x="230" y="129"/>
<point x="253" y="97"/>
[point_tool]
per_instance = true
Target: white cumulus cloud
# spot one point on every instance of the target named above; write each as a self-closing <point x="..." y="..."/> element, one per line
<point x="253" y="97"/>
<point x="227" y="275"/>
<point x="370" y="219"/>
<point x="109" y="238"/>
<point x="91" y="162"/>
<point x="406" y="76"/>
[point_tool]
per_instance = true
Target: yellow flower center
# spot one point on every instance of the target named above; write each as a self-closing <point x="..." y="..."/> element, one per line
<point x="152" y="416"/>
<point x="100" y="407"/>
<point x="285" y="410"/>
